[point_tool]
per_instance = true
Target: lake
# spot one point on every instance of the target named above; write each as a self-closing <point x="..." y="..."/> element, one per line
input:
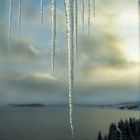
<point x="52" y="123"/>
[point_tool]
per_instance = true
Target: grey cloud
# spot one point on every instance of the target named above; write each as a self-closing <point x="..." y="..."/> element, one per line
<point x="19" y="48"/>
<point x="18" y="57"/>
<point x="101" y="51"/>
<point x="55" y="92"/>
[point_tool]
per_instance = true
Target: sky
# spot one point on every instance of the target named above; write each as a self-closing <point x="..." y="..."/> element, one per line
<point x="108" y="70"/>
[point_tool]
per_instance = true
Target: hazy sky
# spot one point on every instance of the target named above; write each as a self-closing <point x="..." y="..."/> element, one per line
<point x="108" y="70"/>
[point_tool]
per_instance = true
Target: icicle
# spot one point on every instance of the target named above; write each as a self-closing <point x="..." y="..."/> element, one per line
<point x="94" y="8"/>
<point x="83" y="15"/>
<point x="53" y="33"/>
<point x="41" y="11"/>
<point x="19" y="16"/>
<point x="88" y="3"/>
<point x="75" y="28"/>
<point x="69" y="23"/>
<point x="139" y="38"/>
<point x="10" y="22"/>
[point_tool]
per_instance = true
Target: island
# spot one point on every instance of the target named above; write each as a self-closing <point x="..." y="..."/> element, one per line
<point x="27" y="105"/>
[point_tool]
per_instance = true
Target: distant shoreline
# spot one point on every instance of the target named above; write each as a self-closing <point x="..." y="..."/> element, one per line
<point x="27" y="105"/>
<point x="122" y="106"/>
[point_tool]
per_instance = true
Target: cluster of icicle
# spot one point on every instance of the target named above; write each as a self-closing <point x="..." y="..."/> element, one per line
<point x="10" y="18"/>
<point x="71" y="10"/>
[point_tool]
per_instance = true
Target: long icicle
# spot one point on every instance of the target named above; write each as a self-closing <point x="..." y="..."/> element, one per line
<point x="75" y="28"/>
<point x="70" y="45"/>
<point x="10" y="22"/>
<point x="94" y="8"/>
<point x="139" y="40"/>
<point x="41" y="11"/>
<point x="19" y="16"/>
<point x="53" y="33"/>
<point x="83" y="15"/>
<point x="88" y="3"/>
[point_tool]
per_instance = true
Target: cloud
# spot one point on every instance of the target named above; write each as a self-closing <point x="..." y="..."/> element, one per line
<point x="101" y="52"/>
<point x="17" y="58"/>
<point x="51" y="91"/>
<point x="20" y="49"/>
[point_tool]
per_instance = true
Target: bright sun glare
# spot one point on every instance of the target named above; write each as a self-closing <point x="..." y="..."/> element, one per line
<point x="128" y="26"/>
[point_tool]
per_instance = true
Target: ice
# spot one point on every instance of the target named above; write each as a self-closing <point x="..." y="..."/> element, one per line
<point x="94" y="8"/>
<point x="83" y="15"/>
<point x="88" y="3"/>
<point x="10" y="21"/>
<point x="75" y="12"/>
<point x="70" y="45"/>
<point x="41" y="10"/>
<point x="19" y="16"/>
<point x="53" y="33"/>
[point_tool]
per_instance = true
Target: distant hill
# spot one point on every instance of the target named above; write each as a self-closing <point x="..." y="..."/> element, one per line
<point x="27" y="105"/>
<point x="123" y="106"/>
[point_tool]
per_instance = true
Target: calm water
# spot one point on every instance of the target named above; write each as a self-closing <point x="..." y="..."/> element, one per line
<point x="52" y="123"/>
